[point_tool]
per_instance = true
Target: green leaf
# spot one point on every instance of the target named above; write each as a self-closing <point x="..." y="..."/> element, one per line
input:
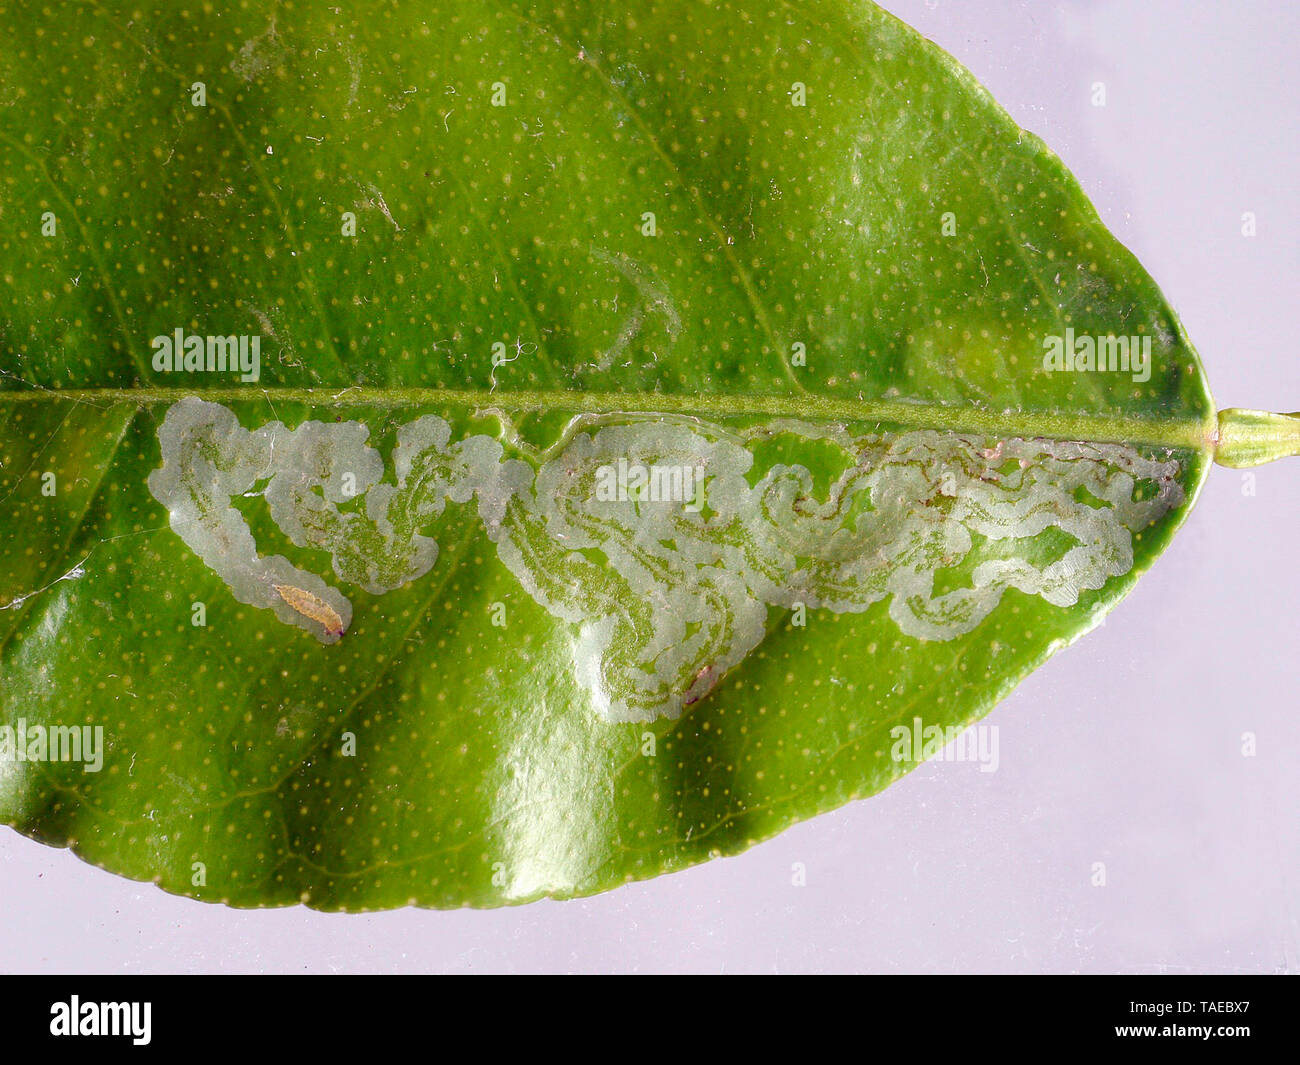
<point x="370" y="629"/>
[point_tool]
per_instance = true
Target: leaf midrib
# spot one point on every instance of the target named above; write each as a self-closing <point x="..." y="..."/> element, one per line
<point x="1187" y="431"/>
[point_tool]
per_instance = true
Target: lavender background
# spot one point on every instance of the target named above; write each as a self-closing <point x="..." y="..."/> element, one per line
<point x="1125" y="749"/>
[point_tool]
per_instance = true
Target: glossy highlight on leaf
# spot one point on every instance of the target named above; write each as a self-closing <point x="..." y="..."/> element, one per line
<point x="461" y="453"/>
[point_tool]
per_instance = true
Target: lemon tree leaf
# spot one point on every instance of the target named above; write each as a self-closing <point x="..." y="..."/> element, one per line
<point x="458" y="453"/>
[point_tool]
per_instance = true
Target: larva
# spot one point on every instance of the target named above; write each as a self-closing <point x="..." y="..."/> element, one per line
<point x="311" y="606"/>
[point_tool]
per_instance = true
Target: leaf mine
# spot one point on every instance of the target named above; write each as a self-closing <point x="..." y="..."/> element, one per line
<point x="664" y="592"/>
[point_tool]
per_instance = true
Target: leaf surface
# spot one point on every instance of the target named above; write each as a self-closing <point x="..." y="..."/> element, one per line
<point x="371" y="629"/>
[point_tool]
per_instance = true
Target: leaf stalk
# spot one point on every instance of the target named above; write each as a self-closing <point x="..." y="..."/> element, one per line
<point x="1253" y="437"/>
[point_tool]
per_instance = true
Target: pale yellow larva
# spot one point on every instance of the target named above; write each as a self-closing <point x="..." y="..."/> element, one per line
<point x="311" y="606"/>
